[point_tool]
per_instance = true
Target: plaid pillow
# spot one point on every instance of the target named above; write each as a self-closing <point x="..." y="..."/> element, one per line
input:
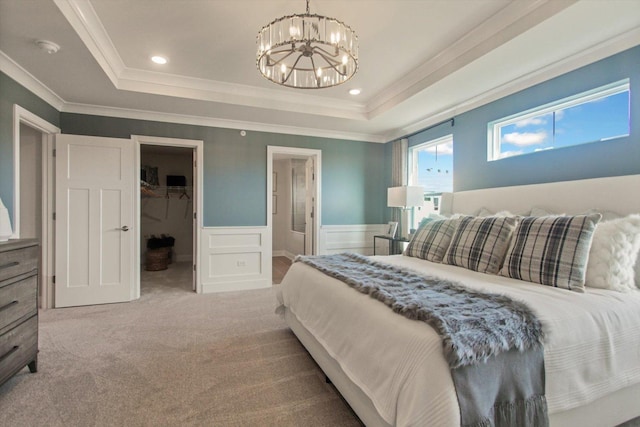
<point x="480" y="244"/>
<point x="432" y="240"/>
<point x="551" y="250"/>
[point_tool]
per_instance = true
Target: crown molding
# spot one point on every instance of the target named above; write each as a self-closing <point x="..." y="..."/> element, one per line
<point x="514" y="19"/>
<point x="85" y="21"/>
<point x="588" y="56"/>
<point x="126" y="113"/>
<point x="28" y="80"/>
<point x="236" y="94"/>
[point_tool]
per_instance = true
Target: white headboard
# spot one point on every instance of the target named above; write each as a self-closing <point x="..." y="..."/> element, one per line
<point x="620" y="194"/>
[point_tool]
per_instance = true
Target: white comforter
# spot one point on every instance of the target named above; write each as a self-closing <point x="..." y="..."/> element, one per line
<point x="592" y="341"/>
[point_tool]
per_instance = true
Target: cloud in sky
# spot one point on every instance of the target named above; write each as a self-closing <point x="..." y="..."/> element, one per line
<point x="443" y="149"/>
<point x="524" y="139"/>
<point x="536" y="121"/>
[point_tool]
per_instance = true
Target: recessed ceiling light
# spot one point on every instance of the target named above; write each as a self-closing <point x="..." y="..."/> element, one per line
<point x="354" y="92"/>
<point x="159" y="60"/>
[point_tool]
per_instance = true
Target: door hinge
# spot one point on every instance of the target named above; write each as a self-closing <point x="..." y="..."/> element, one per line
<point x="194" y="216"/>
<point x="194" y="267"/>
<point x="54" y="152"/>
<point x="54" y="216"/>
<point x="54" y="280"/>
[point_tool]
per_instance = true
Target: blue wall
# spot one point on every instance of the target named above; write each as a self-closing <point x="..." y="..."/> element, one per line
<point x="235" y="169"/>
<point x="611" y="158"/>
<point x="13" y="93"/>
<point x="356" y="174"/>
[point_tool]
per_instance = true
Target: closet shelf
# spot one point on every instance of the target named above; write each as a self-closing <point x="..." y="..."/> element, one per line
<point x="159" y="191"/>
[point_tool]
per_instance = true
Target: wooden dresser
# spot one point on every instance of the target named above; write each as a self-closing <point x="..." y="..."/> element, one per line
<point x="18" y="306"/>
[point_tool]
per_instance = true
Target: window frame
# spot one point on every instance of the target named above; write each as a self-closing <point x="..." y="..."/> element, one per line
<point x="413" y="169"/>
<point x="494" y="127"/>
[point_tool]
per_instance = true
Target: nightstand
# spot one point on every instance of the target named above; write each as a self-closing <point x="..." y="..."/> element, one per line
<point x="393" y="243"/>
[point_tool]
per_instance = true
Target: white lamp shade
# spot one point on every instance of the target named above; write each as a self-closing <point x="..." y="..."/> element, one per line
<point x="405" y="197"/>
<point x="5" y="223"/>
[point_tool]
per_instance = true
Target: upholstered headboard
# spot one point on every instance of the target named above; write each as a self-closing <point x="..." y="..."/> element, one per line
<point x="619" y="194"/>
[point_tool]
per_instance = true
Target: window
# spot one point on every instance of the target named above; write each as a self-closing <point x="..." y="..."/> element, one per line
<point x="431" y="167"/>
<point x="600" y="114"/>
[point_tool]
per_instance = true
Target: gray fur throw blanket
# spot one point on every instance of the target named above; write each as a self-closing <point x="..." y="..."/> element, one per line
<point x="473" y="325"/>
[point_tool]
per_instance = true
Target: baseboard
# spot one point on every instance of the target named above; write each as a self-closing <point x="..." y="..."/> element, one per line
<point x="235" y="286"/>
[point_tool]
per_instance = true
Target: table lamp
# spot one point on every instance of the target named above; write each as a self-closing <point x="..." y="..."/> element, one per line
<point x="405" y="197"/>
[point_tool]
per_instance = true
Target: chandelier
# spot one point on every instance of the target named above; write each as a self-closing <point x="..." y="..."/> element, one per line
<point x="307" y="51"/>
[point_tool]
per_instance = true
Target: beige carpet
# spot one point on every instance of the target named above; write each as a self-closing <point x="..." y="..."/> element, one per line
<point x="172" y="358"/>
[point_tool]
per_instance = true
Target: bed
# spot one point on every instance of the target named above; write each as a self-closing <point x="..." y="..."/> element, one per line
<point x="391" y="370"/>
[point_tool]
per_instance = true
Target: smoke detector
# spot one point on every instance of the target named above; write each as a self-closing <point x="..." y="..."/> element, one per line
<point x="48" y="46"/>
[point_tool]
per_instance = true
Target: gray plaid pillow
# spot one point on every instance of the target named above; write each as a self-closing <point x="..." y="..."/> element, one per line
<point x="432" y="240"/>
<point x="551" y="250"/>
<point x="480" y="244"/>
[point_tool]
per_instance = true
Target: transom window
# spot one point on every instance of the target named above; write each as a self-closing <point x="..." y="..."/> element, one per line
<point x="601" y="114"/>
<point x="431" y="167"/>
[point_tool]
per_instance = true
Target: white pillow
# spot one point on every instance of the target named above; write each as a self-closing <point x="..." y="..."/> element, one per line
<point x="638" y="270"/>
<point x="538" y="211"/>
<point x="483" y="212"/>
<point x="613" y="253"/>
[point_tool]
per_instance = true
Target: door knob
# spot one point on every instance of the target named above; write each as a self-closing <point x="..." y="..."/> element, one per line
<point x="124" y="228"/>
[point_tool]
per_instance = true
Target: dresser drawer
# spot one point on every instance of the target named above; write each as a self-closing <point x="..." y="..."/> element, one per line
<point x="18" y="261"/>
<point x="18" y="300"/>
<point x="18" y="347"/>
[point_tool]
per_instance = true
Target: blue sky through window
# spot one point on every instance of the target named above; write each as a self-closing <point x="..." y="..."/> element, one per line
<point x="435" y="168"/>
<point x="596" y="120"/>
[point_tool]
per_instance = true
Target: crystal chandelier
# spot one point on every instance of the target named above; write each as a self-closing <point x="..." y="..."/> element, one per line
<point x="307" y="51"/>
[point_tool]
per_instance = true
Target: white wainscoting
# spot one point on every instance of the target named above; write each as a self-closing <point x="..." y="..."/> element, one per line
<point x="235" y="259"/>
<point x="353" y="238"/>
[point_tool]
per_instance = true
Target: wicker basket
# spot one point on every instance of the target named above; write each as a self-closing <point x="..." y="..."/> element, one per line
<point x="157" y="259"/>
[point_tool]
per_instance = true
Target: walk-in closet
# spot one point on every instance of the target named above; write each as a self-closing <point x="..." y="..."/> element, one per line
<point x="166" y="217"/>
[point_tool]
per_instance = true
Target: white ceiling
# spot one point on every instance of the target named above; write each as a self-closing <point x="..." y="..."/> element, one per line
<point x="421" y="61"/>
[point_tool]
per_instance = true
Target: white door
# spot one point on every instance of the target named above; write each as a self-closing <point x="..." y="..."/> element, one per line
<point x="94" y="215"/>
<point x="195" y="206"/>
<point x="310" y="207"/>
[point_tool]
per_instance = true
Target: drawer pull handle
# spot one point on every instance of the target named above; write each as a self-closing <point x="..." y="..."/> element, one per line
<point x="9" y="353"/>
<point x="12" y="303"/>
<point x="11" y="264"/>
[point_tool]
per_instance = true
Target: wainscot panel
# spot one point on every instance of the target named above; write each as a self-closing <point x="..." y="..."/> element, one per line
<point x="352" y="238"/>
<point x="235" y="259"/>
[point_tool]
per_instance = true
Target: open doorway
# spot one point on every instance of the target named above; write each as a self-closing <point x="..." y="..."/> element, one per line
<point x="166" y="217"/>
<point x="294" y="207"/>
<point x="33" y="203"/>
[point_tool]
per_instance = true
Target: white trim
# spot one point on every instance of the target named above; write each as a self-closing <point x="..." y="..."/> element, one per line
<point x="353" y="238"/>
<point x="514" y="19"/>
<point x="128" y="113"/>
<point x="494" y="142"/>
<point x="583" y="58"/>
<point x="198" y="145"/>
<point x="24" y="116"/>
<point x="235" y="259"/>
<point x="85" y="21"/>
<point x="27" y="80"/>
